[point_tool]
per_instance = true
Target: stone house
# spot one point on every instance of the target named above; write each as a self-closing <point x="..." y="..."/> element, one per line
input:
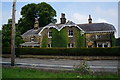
<point x="70" y="35"/>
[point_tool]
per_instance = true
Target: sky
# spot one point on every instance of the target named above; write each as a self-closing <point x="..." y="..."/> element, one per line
<point x="77" y="12"/>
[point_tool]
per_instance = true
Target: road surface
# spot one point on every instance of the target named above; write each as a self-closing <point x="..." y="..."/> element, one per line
<point x="65" y="64"/>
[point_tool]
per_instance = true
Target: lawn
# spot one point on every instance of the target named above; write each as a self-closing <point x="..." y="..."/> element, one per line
<point x="15" y="72"/>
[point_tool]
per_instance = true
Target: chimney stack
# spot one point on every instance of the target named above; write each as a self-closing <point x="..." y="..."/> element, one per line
<point x="90" y="19"/>
<point x="63" y="19"/>
<point x="36" y="24"/>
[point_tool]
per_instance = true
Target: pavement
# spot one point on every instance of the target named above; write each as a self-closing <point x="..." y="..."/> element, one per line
<point x="64" y="64"/>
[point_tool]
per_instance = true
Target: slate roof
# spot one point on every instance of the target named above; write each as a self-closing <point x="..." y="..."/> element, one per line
<point x="32" y="32"/>
<point x="96" y="27"/>
<point x="85" y="27"/>
<point x="59" y="26"/>
<point x="70" y="23"/>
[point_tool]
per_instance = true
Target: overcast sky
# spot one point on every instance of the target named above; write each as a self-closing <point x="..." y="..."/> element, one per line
<point x="75" y="11"/>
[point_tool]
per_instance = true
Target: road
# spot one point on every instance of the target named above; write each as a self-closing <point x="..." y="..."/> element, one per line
<point x="65" y="64"/>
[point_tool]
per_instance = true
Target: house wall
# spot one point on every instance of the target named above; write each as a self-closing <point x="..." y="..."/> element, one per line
<point x="28" y="38"/>
<point x="93" y="38"/>
<point x="61" y="38"/>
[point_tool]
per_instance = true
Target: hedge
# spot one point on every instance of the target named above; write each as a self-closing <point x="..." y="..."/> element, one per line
<point x="66" y="51"/>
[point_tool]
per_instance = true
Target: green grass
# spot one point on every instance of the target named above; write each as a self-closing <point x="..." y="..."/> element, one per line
<point x="32" y="73"/>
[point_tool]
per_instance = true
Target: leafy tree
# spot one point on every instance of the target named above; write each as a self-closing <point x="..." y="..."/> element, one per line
<point x="0" y="39"/>
<point x="118" y="42"/>
<point x="29" y="12"/>
<point x="46" y="14"/>
<point x="6" y="35"/>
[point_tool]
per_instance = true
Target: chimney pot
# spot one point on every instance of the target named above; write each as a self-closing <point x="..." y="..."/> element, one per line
<point x="90" y="19"/>
<point x="36" y="24"/>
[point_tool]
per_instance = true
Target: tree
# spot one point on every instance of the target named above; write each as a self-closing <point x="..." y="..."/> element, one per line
<point x="46" y="13"/>
<point x="0" y="39"/>
<point x="6" y="35"/>
<point x="118" y="42"/>
<point x="29" y="12"/>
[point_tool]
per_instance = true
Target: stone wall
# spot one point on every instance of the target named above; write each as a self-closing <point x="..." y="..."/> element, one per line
<point x="92" y="38"/>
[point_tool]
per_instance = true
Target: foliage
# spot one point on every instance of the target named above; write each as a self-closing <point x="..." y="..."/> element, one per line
<point x="118" y="42"/>
<point x="44" y="41"/>
<point x="46" y="13"/>
<point x="6" y="35"/>
<point x="83" y="68"/>
<point x="0" y="39"/>
<point x="80" y="39"/>
<point x="113" y="40"/>
<point x="59" y="38"/>
<point x="29" y="12"/>
<point x="20" y="73"/>
<point x="67" y="51"/>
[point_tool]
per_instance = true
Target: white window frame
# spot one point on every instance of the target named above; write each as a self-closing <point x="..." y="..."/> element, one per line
<point x="32" y="39"/>
<point x="71" y="45"/>
<point x="49" y="34"/>
<point x="99" y="43"/>
<point x="69" y="33"/>
<point x="103" y="44"/>
<point x="98" y="37"/>
<point x="50" y="45"/>
<point x="108" y="44"/>
<point x="82" y="33"/>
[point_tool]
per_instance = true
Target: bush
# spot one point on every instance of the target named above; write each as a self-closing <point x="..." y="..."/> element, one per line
<point x="66" y="51"/>
<point x="83" y="68"/>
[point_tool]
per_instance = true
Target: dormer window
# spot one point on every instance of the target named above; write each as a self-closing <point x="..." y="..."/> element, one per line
<point x="49" y="34"/>
<point x="98" y="36"/>
<point x="70" y="33"/>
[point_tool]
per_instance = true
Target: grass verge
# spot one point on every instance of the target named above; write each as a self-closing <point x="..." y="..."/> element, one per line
<point x="15" y="72"/>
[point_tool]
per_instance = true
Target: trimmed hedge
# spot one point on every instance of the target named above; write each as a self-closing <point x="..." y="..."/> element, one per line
<point x="66" y="51"/>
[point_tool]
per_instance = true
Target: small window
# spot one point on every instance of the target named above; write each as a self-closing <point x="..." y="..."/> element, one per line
<point x="70" y="33"/>
<point x="70" y="45"/>
<point x="98" y="36"/>
<point x="105" y="44"/>
<point x="82" y="33"/>
<point x="99" y="44"/>
<point x="32" y="39"/>
<point x="49" y="34"/>
<point x="49" y="45"/>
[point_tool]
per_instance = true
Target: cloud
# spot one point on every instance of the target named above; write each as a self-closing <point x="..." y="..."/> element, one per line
<point x="101" y="20"/>
<point x="108" y="12"/>
<point x="18" y="15"/>
<point x="78" y="18"/>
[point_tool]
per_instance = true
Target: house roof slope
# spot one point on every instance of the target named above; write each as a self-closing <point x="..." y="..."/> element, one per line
<point x="32" y="32"/>
<point x="97" y="27"/>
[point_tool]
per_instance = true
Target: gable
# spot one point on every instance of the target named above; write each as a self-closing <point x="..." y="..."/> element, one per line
<point x="59" y="27"/>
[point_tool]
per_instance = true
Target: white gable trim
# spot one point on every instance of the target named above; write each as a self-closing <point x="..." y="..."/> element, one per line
<point x="45" y="28"/>
<point x="60" y="28"/>
<point x="70" y="26"/>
